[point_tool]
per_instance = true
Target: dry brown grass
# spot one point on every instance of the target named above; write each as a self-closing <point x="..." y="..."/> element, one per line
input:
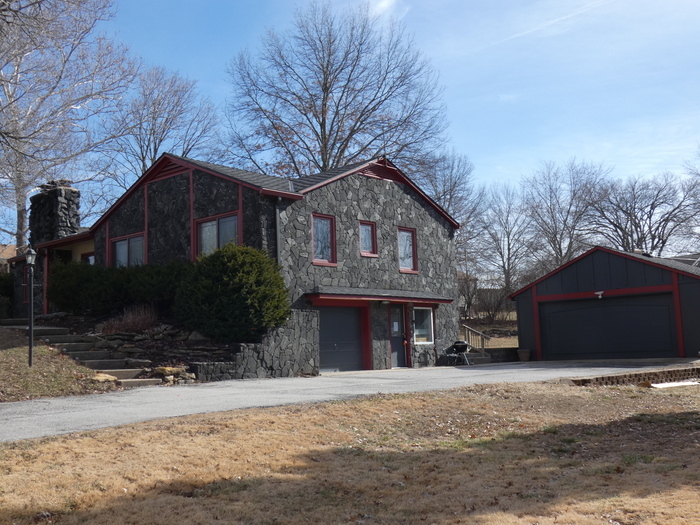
<point x="134" y="319"/>
<point x="489" y="454"/>
<point x="52" y="374"/>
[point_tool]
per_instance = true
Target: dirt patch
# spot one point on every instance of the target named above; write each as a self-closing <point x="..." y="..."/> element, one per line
<point x="488" y="454"/>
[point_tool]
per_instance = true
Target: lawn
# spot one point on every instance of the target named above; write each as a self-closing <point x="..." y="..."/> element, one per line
<point x="52" y="374"/>
<point x="488" y="454"/>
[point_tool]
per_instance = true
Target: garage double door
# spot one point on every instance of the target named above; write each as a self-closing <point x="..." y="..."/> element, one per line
<point x="613" y="327"/>
<point x="340" y="339"/>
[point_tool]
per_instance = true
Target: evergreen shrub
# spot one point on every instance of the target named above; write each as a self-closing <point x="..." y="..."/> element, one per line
<point x="81" y="288"/>
<point x="7" y="285"/>
<point x="234" y="294"/>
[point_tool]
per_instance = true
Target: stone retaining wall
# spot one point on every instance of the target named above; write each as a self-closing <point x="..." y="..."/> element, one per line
<point x="669" y="375"/>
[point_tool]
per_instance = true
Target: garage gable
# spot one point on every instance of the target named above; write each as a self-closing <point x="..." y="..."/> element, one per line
<point x="611" y="304"/>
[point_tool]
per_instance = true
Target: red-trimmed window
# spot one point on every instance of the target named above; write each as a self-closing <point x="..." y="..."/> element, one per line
<point x="423" y="325"/>
<point x="368" y="239"/>
<point x="323" y="239"/>
<point x="127" y="252"/>
<point x="214" y="233"/>
<point x="408" y="251"/>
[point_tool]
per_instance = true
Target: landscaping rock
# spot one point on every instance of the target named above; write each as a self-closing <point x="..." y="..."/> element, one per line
<point x="169" y="370"/>
<point x="104" y="378"/>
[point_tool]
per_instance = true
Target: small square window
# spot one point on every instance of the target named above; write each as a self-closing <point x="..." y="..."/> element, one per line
<point x="408" y="259"/>
<point x="368" y="239"/>
<point x="423" y="325"/>
<point x="324" y="239"/>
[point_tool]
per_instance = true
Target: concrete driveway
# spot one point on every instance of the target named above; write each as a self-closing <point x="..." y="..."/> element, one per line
<point x="47" y="417"/>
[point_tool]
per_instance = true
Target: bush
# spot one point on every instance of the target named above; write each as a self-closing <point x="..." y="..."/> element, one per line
<point x="235" y="294"/>
<point x="7" y="284"/>
<point x="87" y="289"/>
<point x="134" y="319"/>
<point x="5" y="305"/>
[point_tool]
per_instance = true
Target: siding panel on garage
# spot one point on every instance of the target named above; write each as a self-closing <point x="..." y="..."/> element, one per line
<point x="619" y="327"/>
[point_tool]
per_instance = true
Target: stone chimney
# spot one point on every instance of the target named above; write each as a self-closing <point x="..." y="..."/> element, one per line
<point x="54" y="212"/>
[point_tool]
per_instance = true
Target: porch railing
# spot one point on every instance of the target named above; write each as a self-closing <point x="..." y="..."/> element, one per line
<point x="475" y="338"/>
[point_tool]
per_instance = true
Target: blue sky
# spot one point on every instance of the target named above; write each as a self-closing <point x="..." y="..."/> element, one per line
<point x="526" y="81"/>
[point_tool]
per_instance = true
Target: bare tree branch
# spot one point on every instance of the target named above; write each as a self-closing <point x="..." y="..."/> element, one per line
<point x="335" y="90"/>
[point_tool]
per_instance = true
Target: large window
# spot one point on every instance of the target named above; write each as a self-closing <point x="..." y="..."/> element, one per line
<point x="408" y="259"/>
<point x="423" y="325"/>
<point x="368" y="239"/>
<point x="324" y="239"/>
<point x="215" y="233"/>
<point x="128" y="252"/>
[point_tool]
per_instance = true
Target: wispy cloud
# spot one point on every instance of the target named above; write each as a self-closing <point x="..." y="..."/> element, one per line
<point x="389" y="8"/>
<point x="545" y="25"/>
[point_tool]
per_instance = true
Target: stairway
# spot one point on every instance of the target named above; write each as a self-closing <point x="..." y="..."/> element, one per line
<point x="83" y="350"/>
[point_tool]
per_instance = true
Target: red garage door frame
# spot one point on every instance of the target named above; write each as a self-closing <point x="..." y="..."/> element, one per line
<point x="600" y="295"/>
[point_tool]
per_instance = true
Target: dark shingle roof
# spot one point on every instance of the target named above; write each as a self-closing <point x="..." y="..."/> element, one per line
<point x="303" y="183"/>
<point x="259" y="180"/>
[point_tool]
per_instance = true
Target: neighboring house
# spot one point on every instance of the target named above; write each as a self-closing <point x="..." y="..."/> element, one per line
<point x="7" y="251"/>
<point x="368" y="257"/>
<point x="612" y="304"/>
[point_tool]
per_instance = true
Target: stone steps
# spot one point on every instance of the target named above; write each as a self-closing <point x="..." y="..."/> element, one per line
<point x="133" y="383"/>
<point x="89" y="355"/>
<point x="123" y="373"/>
<point x="104" y="364"/>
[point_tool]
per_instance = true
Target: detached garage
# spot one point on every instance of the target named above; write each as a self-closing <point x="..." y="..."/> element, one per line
<point x="611" y="304"/>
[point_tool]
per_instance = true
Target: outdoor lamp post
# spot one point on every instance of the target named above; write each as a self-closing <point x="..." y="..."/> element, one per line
<point x="30" y="260"/>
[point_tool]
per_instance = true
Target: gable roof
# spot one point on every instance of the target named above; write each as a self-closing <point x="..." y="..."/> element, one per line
<point x="310" y="183"/>
<point x="667" y="264"/>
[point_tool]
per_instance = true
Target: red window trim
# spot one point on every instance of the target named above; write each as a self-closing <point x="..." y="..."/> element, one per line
<point x="412" y="231"/>
<point x="197" y="222"/>
<point x="374" y="252"/>
<point x="112" y="252"/>
<point x="323" y="262"/>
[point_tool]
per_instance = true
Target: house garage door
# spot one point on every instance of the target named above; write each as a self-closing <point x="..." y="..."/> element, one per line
<point x="612" y="327"/>
<point x="341" y="339"/>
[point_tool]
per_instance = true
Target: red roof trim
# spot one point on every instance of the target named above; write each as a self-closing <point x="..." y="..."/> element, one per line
<point x="400" y="178"/>
<point x="600" y="249"/>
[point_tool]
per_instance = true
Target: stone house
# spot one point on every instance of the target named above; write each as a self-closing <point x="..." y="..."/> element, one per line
<point x="367" y="256"/>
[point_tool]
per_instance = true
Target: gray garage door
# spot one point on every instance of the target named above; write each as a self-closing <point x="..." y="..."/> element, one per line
<point x="341" y="339"/>
<point x="620" y="327"/>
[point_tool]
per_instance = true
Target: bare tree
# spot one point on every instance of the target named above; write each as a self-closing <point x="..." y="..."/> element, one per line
<point x="163" y="114"/>
<point x="57" y="88"/>
<point x="648" y="214"/>
<point x="449" y="180"/>
<point x="335" y="90"/>
<point x="507" y="244"/>
<point x="559" y="201"/>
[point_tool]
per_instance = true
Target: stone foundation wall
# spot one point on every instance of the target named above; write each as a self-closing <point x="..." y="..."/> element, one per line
<point x="288" y="351"/>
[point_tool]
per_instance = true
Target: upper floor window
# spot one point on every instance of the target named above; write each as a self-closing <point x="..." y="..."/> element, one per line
<point x="368" y="239"/>
<point x="128" y="252"/>
<point x="215" y="233"/>
<point x="323" y="239"/>
<point x="408" y="256"/>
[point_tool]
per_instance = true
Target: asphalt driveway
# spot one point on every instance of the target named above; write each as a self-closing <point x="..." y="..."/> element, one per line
<point x="47" y="417"/>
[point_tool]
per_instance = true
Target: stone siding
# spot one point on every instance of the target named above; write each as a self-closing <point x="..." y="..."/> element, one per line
<point x="54" y="212"/>
<point x="389" y="205"/>
<point x="169" y="234"/>
<point x="128" y="218"/>
<point x="287" y="351"/>
<point x="213" y="195"/>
